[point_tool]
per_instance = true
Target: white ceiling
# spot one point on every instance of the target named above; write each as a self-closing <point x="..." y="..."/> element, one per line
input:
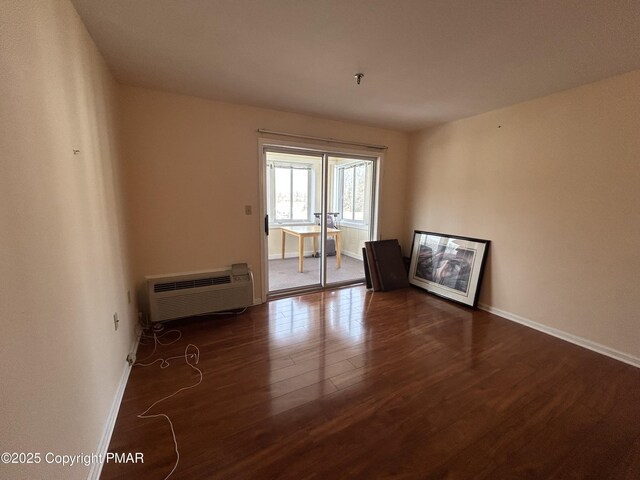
<point x="425" y="62"/>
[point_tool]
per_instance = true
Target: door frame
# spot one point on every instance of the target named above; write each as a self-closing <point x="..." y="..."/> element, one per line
<point x="324" y="150"/>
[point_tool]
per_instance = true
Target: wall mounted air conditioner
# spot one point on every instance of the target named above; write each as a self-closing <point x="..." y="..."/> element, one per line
<point x="196" y="293"/>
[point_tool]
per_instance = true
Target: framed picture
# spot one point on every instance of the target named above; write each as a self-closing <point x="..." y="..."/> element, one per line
<point x="448" y="266"/>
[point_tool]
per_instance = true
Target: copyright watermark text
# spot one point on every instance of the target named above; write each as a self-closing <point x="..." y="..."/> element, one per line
<point x="85" y="459"/>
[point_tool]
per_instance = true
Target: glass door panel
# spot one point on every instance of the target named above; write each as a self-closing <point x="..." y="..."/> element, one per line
<point x="294" y="187"/>
<point x="350" y="200"/>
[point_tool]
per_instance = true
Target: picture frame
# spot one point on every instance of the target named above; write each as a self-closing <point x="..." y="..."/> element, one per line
<point x="449" y="266"/>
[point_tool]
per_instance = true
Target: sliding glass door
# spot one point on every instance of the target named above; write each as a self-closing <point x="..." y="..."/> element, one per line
<point x="350" y="214"/>
<point x="320" y="209"/>
<point x="294" y="186"/>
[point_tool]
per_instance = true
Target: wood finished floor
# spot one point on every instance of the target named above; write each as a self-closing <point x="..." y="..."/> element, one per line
<point x="352" y="384"/>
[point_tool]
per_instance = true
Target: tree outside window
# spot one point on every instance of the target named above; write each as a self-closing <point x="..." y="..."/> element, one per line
<point x="289" y="189"/>
<point x="352" y="190"/>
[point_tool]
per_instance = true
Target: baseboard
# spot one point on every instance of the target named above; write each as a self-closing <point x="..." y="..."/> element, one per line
<point x="103" y="446"/>
<point x="582" y="342"/>
<point x="354" y="255"/>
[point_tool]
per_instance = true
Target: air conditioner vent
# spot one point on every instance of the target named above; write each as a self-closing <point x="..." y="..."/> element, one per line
<point x="186" y="294"/>
<point x="185" y="284"/>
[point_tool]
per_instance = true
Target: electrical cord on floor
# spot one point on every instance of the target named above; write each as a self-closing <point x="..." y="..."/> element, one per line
<point x="191" y="357"/>
<point x="156" y="335"/>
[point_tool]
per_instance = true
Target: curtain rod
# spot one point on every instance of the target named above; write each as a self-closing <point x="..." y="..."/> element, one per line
<point x="331" y="140"/>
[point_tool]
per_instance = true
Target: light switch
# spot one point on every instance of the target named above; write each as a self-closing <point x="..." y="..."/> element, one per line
<point x="247" y="209"/>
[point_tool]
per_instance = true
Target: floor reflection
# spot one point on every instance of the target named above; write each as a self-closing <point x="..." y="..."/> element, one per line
<point x="323" y="339"/>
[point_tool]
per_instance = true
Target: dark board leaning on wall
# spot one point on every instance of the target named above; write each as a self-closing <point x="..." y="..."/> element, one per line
<point x="386" y="267"/>
<point x="365" y="264"/>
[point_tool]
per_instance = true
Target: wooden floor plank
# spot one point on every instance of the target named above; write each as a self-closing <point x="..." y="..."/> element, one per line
<point x="352" y="384"/>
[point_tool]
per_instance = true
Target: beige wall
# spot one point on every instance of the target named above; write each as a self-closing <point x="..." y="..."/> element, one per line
<point x="353" y="241"/>
<point x="62" y="250"/>
<point x="554" y="183"/>
<point x="192" y="165"/>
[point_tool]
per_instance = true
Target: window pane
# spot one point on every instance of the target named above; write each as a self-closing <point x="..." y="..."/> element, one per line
<point x="282" y="189"/>
<point x="358" y="201"/>
<point x="300" y="194"/>
<point x="347" y="193"/>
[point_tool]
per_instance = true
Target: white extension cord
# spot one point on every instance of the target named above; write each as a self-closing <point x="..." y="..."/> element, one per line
<point x="191" y="359"/>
